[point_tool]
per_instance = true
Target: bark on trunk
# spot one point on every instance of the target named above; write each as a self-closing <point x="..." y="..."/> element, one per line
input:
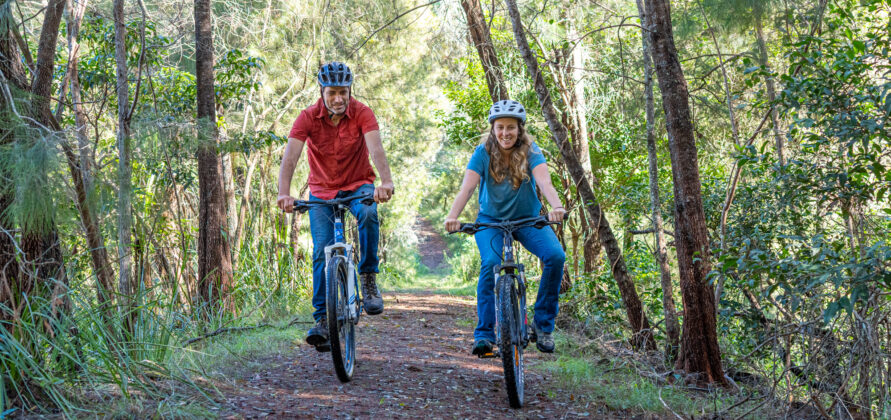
<point x="699" y="351"/>
<point x="214" y="259"/>
<point x="126" y="286"/>
<point x="771" y="89"/>
<point x="40" y="244"/>
<point x="672" y="328"/>
<point x="479" y="34"/>
<point x="643" y="336"/>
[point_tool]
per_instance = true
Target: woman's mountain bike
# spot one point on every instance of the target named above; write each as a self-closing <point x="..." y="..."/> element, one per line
<point x="511" y="326"/>
<point x="342" y="301"/>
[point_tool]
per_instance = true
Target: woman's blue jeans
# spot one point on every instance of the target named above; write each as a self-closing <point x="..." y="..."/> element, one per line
<point x="543" y="244"/>
<point x="321" y="227"/>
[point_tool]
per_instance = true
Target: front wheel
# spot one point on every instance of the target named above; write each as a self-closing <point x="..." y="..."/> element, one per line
<point x="341" y="332"/>
<point x="511" y="346"/>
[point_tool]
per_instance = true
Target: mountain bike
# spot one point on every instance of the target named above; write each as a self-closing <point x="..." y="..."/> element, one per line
<point x="342" y="301"/>
<point x="511" y="323"/>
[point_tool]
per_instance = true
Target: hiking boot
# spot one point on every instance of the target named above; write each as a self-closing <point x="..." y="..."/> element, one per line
<point x="543" y="341"/>
<point x="317" y="336"/>
<point x="483" y="348"/>
<point x="371" y="297"/>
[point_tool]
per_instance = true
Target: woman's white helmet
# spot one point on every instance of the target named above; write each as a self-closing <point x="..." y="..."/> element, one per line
<point x="507" y="108"/>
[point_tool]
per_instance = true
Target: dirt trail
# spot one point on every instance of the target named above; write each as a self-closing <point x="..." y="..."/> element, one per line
<point x="431" y="245"/>
<point x="413" y="361"/>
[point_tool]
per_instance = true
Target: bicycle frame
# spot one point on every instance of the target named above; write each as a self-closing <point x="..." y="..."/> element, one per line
<point x="340" y="247"/>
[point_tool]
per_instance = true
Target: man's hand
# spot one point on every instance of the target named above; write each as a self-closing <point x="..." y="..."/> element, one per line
<point x="286" y="203"/>
<point x="556" y="214"/>
<point x="452" y="224"/>
<point x="384" y="192"/>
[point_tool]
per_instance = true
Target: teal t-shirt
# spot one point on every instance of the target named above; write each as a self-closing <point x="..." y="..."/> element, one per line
<point x="500" y="200"/>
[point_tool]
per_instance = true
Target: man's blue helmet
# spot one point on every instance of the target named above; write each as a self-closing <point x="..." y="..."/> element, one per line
<point x="335" y="73"/>
<point x="507" y="108"/>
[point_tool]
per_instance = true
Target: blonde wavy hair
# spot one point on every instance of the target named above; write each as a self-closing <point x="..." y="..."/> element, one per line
<point x="516" y="166"/>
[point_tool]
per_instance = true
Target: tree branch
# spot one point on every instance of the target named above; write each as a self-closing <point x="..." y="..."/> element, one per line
<point x="388" y="24"/>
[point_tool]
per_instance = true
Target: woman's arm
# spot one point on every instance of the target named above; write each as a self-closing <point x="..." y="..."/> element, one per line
<point x="543" y="179"/>
<point x="471" y="180"/>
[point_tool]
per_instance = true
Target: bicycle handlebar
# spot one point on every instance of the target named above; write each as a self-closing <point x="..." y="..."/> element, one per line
<point x="303" y="205"/>
<point x="537" y="222"/>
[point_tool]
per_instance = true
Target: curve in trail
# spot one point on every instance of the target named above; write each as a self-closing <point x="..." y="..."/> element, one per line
<point x="413" y="361"/>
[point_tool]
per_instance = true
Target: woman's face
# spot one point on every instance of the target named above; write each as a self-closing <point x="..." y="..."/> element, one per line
<point x="506" y="131"/>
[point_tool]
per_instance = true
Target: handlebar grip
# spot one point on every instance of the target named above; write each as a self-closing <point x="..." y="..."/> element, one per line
<point x="300" y="208"/>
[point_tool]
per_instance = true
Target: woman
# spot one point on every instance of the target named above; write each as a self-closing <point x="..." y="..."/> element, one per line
<point x="508" y="167"/>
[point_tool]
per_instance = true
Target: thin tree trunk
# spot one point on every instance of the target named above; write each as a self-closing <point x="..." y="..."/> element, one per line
<point x="771" y="89"/>
<point x="577" y="73"/>
<point x="214" y="258"/>
<point x="479" y="34"/>
<point x="734" y="130"/>
<point x="699" y="352"/>
<point x="672" y="328"/>
<point x="80" y="166"/>
<point x="245" y="200"/>
<point x="643" y="336"/>
<point x="126" y="285"/>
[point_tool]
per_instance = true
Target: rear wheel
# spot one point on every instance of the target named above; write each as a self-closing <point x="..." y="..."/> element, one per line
<point x="511" y="346"/>
<point x="341" y="331"/>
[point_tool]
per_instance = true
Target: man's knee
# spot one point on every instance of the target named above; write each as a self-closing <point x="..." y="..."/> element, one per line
<point x="366" y="214"/>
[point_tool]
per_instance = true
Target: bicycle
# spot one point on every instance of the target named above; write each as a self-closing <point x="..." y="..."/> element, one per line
<point x="342" y="301"/>
<point x="511" y="323"/>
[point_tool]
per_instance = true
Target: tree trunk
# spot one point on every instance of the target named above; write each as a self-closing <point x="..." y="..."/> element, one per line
<point x="479" y="34"/>
<point x="734" y="130"/>
<point x="12" y="70"/>
<point x="671" y="321"/>
<point x="126" y="286"/>
<point x="580" y="110"/>
<point x="699" y="352"/>
<point x="771" y="89"/>
<point x="214" y="259"/>
<point x="80" y="167"/>
<point x="40" y="244"/>
<point x="643" y="336"/>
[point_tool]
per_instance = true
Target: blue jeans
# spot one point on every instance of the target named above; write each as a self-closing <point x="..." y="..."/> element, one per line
<point x="543" y="244"/>
<point x="321" y="227"/>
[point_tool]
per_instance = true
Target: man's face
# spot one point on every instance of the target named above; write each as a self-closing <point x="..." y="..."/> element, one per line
<point x="336" y="98"/>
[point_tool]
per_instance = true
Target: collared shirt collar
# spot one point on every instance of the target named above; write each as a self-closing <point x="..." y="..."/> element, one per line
<point x="323" y="110"/>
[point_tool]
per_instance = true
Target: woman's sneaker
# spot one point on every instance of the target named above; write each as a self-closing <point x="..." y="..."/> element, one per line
<point x="317" y="336"/>
<point x="543" y="341"/>
<point x="483" y="348"/>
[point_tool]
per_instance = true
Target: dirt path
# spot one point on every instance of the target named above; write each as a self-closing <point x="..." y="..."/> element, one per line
<point x="431" y="245"/>
<point x="413" y="361"/>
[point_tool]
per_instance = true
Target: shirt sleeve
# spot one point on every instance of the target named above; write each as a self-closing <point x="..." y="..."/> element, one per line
<point x="300" y="129"/>
<point x="367" y="121"/>
<point x="536" y="157"/>
<point x="479" y="161"/>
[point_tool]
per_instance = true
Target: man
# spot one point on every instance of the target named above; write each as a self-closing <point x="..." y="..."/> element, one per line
<point x="340" y="133"/>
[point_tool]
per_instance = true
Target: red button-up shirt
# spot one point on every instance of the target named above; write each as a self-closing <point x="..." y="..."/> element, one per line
<point x="337" y="155"/>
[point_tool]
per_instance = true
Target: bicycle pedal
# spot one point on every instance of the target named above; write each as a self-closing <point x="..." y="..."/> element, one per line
<point x="490" y="355"/>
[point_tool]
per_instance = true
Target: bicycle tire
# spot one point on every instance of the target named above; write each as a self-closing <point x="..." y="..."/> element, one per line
<point x="341" y="332"/>
<point x="511" y="346"/>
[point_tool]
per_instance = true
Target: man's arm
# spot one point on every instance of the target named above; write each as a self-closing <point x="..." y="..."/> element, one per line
<point x="289" y="163"/>
<point x="384" y="192"/>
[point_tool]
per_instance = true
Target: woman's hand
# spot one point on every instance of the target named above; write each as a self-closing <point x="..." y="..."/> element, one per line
<point x="556" y="214"/>
<point x="286" y="203"/>
<point x="452" y="224"/>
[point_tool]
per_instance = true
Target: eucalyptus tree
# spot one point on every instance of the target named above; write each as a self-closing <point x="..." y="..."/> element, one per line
<point x="668" y="307"/>
<point x="699" y="351"/>
<point x="214" y="259"/>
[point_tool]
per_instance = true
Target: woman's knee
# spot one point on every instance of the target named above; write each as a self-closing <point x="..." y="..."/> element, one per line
<point x="555" y="258"/>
